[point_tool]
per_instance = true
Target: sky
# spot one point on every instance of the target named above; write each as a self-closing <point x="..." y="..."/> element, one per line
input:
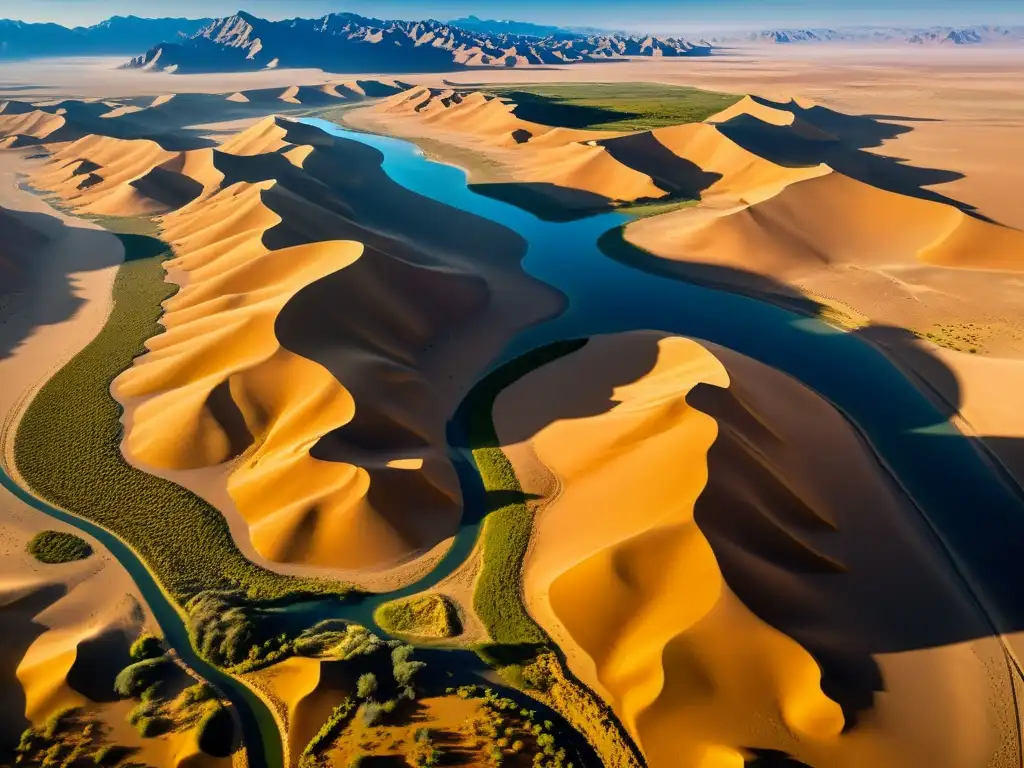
<point x="633" y="15"/>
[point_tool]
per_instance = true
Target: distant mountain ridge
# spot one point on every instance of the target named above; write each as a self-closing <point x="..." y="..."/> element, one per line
<point x="117" y="35"/>
<point x="970" y="35"/>
<point x="347" y="42"/>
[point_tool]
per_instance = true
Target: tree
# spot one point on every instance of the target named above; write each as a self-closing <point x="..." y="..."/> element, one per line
<point x="146" y="646"/>
<point x="367" y="685"/>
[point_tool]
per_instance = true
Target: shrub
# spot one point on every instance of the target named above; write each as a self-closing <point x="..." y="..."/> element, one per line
<point x="53" y="547"/>
<point x="194" y="694"/>
<point x="367" y="685"/>
<point x="403" y="668"/>
<point x="372" y="713"/>
<point x="146" y="646"/>
<point x="136" y="678"/>
<point x="215" y="732"/>
<point x="421" y="616"/>
<point x="328" y="732"/>
<point x="57" y="721"/>
<point x="150" y="727"/>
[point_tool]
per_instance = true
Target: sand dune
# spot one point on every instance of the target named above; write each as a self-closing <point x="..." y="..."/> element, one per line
<point x="828" y="221"/>
<point x="298" y="348"/>
<point x="304" y="691"/>
<point x="125" y="177"/>
<point x="759" y="109"/>
<point x="694" y="160"/>
<point x="742" y="486"/>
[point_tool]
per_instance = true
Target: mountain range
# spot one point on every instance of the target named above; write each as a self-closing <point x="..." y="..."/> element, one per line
<point x="116" y="35"/>
<point x="973" y="35"/>
<point x="346" y="42"/>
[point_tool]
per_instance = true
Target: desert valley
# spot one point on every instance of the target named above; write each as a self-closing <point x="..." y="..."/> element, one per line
<point x="504" y="393"/>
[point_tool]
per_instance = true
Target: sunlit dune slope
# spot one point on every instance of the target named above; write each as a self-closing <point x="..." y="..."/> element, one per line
<point x="728" y="565"/>
<point x="67" y="632"/>
<point x="305" y="690"/>
<point x="689" y="161"/>
<point x="20" y="127"/>
<point x="126" y="177"/>
<point x="831" y="220"/>
<point x="759" y="109"/>
<point x="300" y="345"/>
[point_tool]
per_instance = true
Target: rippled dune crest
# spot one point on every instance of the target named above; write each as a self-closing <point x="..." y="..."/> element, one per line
<point x="715" y="571"/>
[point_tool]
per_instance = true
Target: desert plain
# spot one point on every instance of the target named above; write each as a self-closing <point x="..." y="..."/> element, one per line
<point x="398" y="502"/>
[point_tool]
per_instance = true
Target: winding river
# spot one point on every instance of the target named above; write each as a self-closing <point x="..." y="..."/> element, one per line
<point x="956" y="489"/>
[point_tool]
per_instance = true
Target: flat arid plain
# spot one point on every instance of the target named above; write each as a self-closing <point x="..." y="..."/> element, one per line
<point x="657" y="410"/>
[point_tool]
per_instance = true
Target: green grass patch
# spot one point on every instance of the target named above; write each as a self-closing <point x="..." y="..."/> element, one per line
<point x="419" y="616"/>
<point x="615" y="106"/>
<point x="52" y="547"/>
<point x="509" y="523"/>
<point x="68" y="449"/>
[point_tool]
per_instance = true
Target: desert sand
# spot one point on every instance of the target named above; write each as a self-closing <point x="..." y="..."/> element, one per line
<point x="320" y="339"/>
<point x="696" y="487"/>
<point x="221" y="386"/>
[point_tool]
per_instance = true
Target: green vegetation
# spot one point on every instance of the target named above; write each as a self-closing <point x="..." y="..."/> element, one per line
<point x="961" y="337"/>
<point x="615" y="106"/>
<point x="419" y="616"/>
<point x="509" y="523"/>
<point x="228" y="630"/>
<point x="328" y="732"/>
<point x="656" y="207"/>
<point x="138" y="678"/>
<point x="196" y="706"/>
<point x="215" y="731"/>
<point x="381" y="669"/>
<point x="68" y="450"/>
<point x="68" y="738"/>
<point x="367" y="685"/>
<point x="146" y="646"/>
<point x="52" y="547"/>
<point x="506" y="729"/>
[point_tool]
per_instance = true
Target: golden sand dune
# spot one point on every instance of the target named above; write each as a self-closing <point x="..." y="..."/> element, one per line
<point x="301" y="343"/>
<point x="764" y="111"/>
<point x="125" y="177"/>
<point x="27" y="127"/>
<point x="711" y="510"/>
<point x="693" y="160"/>
<point x="305" y="690"/>
<point x="831" y="220"/>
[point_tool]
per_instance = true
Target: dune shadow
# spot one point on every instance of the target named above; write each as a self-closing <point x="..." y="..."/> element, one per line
<point x="20" y="630"/>
<point x="548" y="202"/>
<point x="676" y="175"/>
<point x="548" y="110"/>
<point x="771" y="758"/>
<point x="844" y="146"/>
<point x="98" y="661"/>
<point x="38" y="288"/>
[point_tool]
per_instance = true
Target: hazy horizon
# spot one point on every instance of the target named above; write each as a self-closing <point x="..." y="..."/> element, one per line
<point x="633" y="15"/>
